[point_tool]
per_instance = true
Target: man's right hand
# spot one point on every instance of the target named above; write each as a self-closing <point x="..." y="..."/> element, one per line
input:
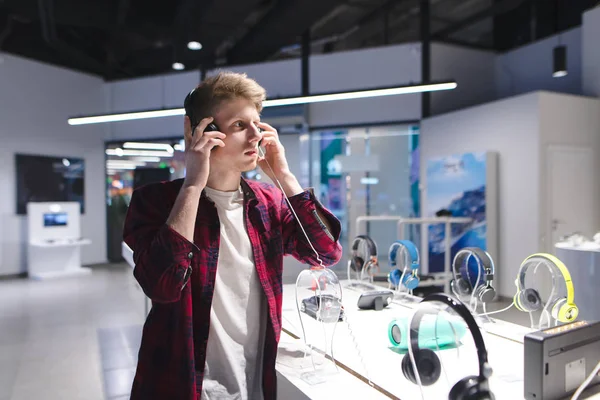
<point x="197" y="154"/>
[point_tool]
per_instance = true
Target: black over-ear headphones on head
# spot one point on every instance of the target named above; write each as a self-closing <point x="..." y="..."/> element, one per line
<point x="485" y="292"/>
<point x="357" y="261"/>
<point x="428" y="364"/>
<point x="188" y="105"/>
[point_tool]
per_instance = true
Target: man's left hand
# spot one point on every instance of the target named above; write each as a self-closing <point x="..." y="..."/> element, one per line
<point x="274" y="156"/>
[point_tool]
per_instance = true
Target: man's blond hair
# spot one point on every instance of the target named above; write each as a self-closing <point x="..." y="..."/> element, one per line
<point x="224" y="86"/>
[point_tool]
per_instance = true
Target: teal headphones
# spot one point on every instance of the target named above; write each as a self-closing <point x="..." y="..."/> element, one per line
<point x="410" y="280"/>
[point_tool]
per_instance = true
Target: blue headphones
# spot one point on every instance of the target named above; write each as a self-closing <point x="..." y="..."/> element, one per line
<point x="411" y="278"/>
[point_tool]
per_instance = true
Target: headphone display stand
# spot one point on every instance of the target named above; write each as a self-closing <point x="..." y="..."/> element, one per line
<point x="319" y="303"/>
<point x="404" y="259"/>
<point x="560" y="305"/>
<point x="438" y="278"/>
<point x="433" y="363"/>
<point x="362" y="264"/>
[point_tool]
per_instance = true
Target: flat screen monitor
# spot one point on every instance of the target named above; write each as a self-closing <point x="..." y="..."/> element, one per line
<point x="49" y="179"/>
<point x="55" y="219"/>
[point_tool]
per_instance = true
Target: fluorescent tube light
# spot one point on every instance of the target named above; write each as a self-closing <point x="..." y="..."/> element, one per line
<point x="125" y="162"/>
<point x="363" y="94"/>
<point x="148" y="146"/>
<point x="146" y="159"/>
<point x="126" y="116"/>
<point x="120" y="167"/>
<point x="317" y="98"/>
<point x="134" y="153"/>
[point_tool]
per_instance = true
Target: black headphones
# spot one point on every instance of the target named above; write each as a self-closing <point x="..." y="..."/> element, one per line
<point x="461" y="286"/>
<point x="428" y="364"/>
<point x="189" y="111"/>
<point x="357" y="260"/>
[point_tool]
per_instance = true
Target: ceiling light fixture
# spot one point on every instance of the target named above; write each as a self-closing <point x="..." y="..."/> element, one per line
<point x="317" y="98"/>
<point x="560" y="62"/>
<point x="193" y="45"/>
<point x="177" y="66"/>
<point x="148" y="146"/>
<point x="135" y="153"/>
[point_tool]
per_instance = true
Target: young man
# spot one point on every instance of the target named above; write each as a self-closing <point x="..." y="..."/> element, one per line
<point x="209" y="252"/>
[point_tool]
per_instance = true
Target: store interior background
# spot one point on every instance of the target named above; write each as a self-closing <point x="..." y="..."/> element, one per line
<point x="508" y="103"/>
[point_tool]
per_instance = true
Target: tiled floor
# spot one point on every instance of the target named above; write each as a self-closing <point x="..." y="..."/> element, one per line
<point x="78" y="338"/>
<point x="70" y="339"/>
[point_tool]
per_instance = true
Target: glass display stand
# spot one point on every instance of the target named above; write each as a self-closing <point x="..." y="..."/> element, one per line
<point x="319" y="305"/>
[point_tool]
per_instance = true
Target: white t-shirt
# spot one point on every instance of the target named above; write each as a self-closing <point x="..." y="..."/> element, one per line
<point x="234" y="353"/>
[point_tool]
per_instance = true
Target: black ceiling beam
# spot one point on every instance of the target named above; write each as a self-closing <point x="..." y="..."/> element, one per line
<point x="377" y="12"/>
<point x="373" y="18"/>
<point x="280" y="27"/>
<point x="497" y="9"/>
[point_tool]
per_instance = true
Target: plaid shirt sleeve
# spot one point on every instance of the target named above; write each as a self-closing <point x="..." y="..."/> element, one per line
<point x="325" y="242"/>
<point x="162" y="256"/>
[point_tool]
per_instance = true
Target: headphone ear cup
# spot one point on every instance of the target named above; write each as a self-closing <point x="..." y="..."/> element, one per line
<point x="469" y="389"/>
<point x="564" y="312"/>
<point x="428" y="367"/>
<point x="530" y="300"/>
<point x="394" y="277"/>
<point x="517" y="301"/>
<point x="357" y="264"/>
<point x="486" y="294"/>
<point x="463" y="286"/>
<point x="410" y="281"/>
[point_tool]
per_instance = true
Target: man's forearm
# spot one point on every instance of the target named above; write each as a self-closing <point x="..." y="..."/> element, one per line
<point x="292" y="187"/>
<point x="183" y="215"/>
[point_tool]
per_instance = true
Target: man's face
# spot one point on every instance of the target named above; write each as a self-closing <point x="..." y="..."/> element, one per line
<point x="237" y="119"/>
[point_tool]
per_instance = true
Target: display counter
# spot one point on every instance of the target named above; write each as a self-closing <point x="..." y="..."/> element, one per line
<point x="383" y="379"/>
<point x="504" y="342"/>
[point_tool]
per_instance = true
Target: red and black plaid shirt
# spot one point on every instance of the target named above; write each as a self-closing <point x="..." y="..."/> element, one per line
<point x="179" y="277"/>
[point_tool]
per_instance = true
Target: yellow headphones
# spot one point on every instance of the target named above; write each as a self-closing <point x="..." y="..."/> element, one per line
<point x="528" y="300"/>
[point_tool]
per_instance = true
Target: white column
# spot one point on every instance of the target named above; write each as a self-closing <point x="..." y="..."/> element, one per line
<point x="591" y="52"/>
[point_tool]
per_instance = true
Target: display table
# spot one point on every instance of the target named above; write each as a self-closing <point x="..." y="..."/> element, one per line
<point x="54" y="245"/>
<point x="505" y="353"/>
<point x="57" y="258"/>
<point x="584" y="267"/>
<point x="504" y="342"/>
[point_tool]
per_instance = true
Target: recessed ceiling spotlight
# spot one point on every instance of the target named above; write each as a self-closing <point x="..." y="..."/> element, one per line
<point x="178" y="66"/>
<point x="193" y="45"/>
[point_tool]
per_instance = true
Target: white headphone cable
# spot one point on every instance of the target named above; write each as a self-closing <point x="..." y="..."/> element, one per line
<point x="320" y="264"/>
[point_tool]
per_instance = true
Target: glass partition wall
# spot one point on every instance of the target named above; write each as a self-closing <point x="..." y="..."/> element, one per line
<point x="357" y="171"/>
<point x="367" y="171"/>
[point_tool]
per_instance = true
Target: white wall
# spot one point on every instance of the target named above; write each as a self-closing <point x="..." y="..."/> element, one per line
<point x="35" y="101"/>
<point x="529" y="68"/>
<point x="591" y="52"/>
<point x="363" y="69"/>
<point x="511" y="128"/>
<point x="572" y="121"/>
<point x="473" y="70"/>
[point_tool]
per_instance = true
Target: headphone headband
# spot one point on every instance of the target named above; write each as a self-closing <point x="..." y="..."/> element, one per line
<point x="370" y="244"/>
<point x="465" y="314"/>
<point x="482" y="256"/>
<point x="411" y="249"/>
<point x="556" y="266"/>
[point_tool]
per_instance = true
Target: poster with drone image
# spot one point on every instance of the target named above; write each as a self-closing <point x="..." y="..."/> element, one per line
<point x="461" y="185"/>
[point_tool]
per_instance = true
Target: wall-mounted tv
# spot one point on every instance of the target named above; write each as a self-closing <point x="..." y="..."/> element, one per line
<point x="46" y="178"/>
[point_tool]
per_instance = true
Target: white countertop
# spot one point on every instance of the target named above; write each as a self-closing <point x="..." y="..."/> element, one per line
<point x="384" y="364"/>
